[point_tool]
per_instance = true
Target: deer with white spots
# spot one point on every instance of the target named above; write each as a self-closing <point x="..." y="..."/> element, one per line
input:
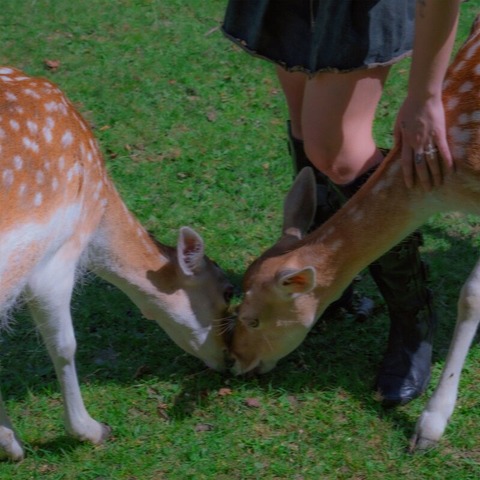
<point x="60" y="211"/>
<point x="292" y="284"/>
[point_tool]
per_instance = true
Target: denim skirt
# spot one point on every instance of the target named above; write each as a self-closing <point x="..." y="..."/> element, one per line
<point x="322" y="35"/>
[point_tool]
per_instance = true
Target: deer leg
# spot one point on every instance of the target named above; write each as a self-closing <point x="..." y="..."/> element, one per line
<point x="10" y="445"/>
<point x="49" y="304"/>
<point x="435" y="417"/>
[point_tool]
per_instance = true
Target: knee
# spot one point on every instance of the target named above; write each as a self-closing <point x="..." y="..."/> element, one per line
<point x="63" y="348"/>
<point x="332" y="162"/>
<point x="470" y="295"/>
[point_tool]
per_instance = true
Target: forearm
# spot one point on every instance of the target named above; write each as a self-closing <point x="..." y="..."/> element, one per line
<point x="435" y="29"/>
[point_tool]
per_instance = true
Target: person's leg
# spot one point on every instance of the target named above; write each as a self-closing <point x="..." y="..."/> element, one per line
<point x="293" y="86"/>
<point x="337" y="122"/>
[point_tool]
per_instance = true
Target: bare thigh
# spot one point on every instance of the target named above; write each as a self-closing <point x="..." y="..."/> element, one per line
<point x="337" y="117"/>
<point x="293" y="86"/>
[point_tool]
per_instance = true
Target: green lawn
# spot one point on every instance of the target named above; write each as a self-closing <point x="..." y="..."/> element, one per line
<point x="193" y="132"/>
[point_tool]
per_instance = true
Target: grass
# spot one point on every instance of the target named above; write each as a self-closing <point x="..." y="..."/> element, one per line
<point x="193" y="134"/>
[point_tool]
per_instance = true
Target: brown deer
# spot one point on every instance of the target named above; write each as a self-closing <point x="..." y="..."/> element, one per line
<point x="291" y="284"/>
<point x="61" y="212"/>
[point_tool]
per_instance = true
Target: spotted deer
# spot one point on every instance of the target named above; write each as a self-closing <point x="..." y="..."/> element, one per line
<point x="291" y="284"/>
<point x="60" y="211"/>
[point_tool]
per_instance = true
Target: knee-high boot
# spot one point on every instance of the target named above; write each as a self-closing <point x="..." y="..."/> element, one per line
<point x="401" y="277"/>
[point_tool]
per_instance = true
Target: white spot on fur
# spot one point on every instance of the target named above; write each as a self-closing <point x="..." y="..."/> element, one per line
<point x="458" y="151"/>
<point x="47" y="134"/>
<point x="14" y="124"/>
<point x="466" y="87"/>
<point x="18" y="162"/>
<point x="31" y="93"/>
<point x="380" y="185"/>
<point x="61" y="163"/>
<point x="30" y="144"/>
<point x="38" y="199"/>
<point x="471" y="51"/>
<point x="22" y="189"/>
<point x="67" y="138"/>
<point x="7" y="178"/>
<point x="459" y="66"/>
<point x="2" y="133"/>
<point x="11" y="97"/>
<point x="452" y="103"/>
<point x="475" y="116"/>
<point x="50" y="122"/>
<point x="459" y="135"/>
<point x="54" y="184"/>
<point x="32" y="126"/>
<point x="40" y="177"/>
<point x="63" y="109"/>
<point x="51" y="106"/>
<point x="463" y="118"/>
<point x="336" y="245"/>
<point x="329" y="231"/>
<point x="6" y="71"/>
<point x="74" y="170"/>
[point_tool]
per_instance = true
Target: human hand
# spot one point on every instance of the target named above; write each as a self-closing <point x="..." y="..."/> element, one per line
<point x="425" y="155"/>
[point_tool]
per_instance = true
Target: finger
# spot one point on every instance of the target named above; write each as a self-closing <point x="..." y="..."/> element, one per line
<point x="433" y="161"/>
<point x="446" y="156"/>
<point x="422" y="171"/>
<point x="435" y="168"/>
<point x="407" y="165"/>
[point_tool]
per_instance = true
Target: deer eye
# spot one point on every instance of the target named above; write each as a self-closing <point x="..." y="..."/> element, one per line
<point x="251" y="322"/>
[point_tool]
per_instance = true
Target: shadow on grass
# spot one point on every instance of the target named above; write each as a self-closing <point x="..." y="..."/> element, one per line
<point x="116" y="344"/>
<point x="59" y="446"/>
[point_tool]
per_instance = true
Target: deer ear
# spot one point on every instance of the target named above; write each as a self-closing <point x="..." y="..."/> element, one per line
<point x="190" y="251"/>
<point x="296" y="281"/>
<point x="300" y="204"/>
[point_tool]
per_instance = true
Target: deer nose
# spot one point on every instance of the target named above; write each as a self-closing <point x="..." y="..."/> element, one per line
<point x="228" y="360"/>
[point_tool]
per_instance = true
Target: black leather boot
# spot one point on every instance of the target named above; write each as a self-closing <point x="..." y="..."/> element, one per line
<point x="402" y="280"/>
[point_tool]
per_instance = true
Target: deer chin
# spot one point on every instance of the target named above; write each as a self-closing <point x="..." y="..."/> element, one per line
<point x="256" y="367"/>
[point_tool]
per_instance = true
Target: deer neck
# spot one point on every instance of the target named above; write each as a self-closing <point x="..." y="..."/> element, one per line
<point x="378" y="217"/>
<point x="123" y="253"/>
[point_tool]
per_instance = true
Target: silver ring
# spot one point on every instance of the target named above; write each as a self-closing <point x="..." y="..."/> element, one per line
<point x="418" y="158"/>
<point x="431" y="150"/>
